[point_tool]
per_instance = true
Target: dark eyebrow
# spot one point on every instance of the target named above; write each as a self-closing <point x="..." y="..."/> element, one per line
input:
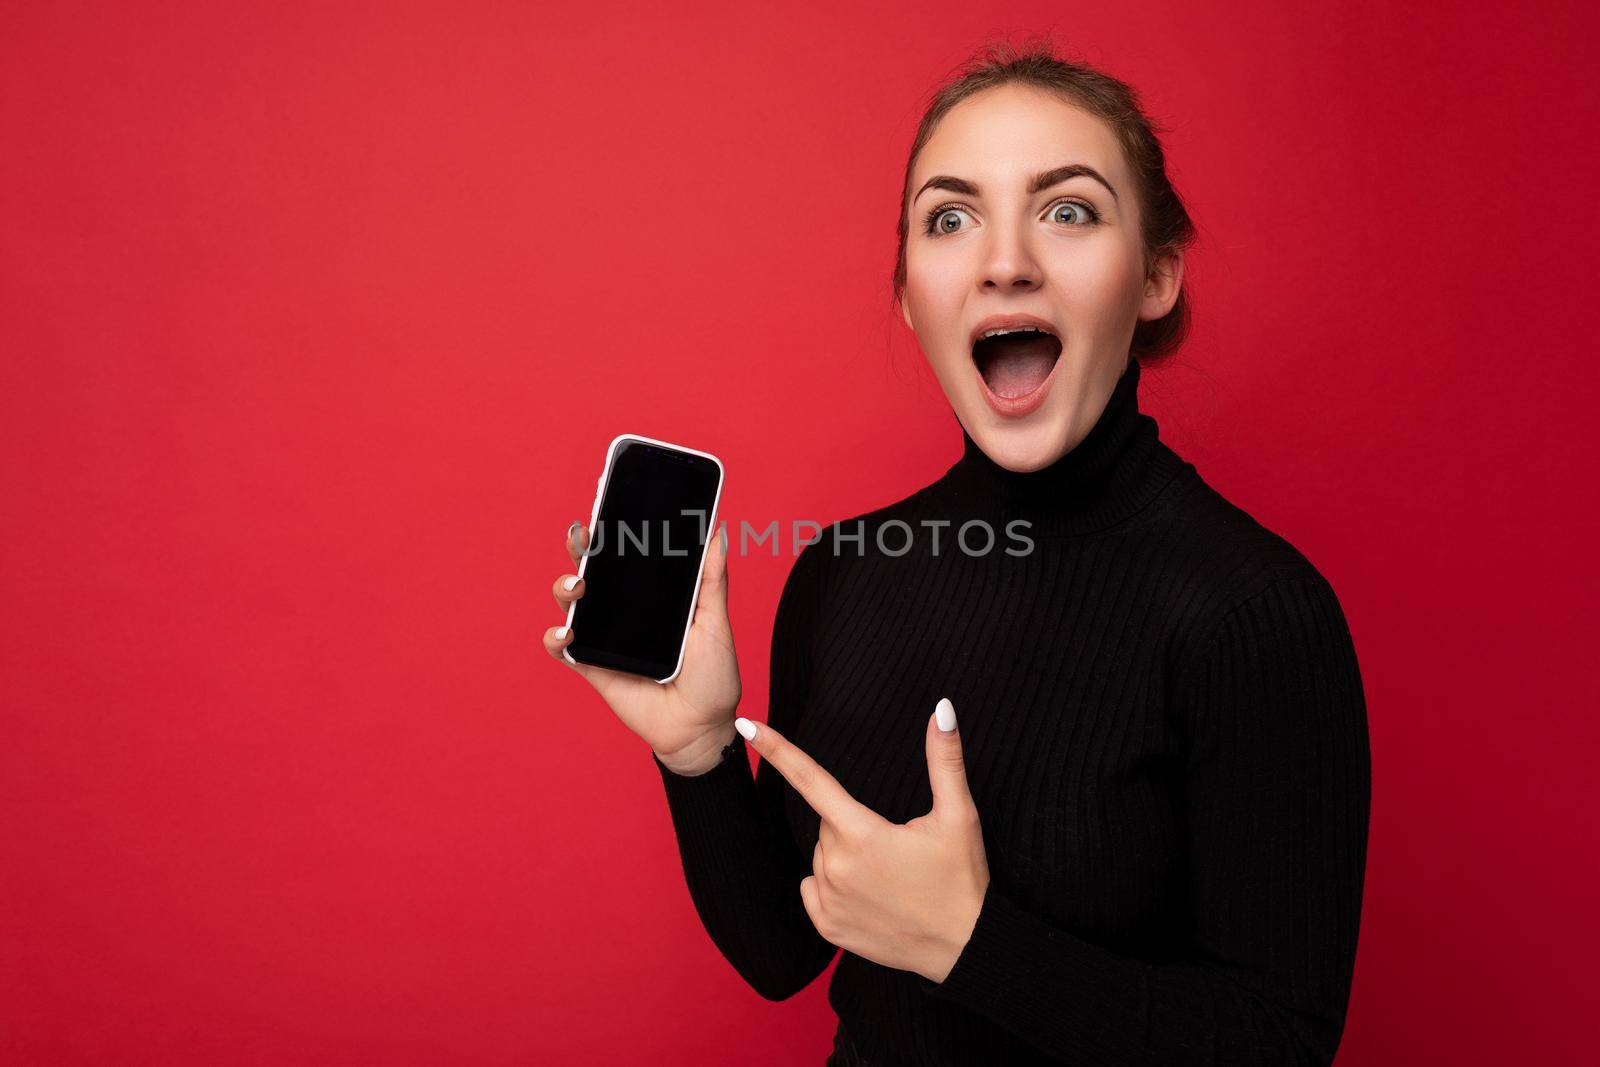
<point x="1040" y="182"/>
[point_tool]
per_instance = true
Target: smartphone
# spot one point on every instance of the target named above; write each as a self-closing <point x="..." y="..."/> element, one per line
<point x="655" y="509"/>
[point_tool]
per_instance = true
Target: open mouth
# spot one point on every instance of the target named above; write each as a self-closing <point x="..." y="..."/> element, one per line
<point x="1016" y="361"/>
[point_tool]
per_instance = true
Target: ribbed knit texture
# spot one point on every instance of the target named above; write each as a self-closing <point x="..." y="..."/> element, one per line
<point x="1164" y="731"/>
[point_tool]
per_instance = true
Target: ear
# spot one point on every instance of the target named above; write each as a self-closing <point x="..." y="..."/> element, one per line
<point x="1162" y="285"/>
<point x="905" y="313"/>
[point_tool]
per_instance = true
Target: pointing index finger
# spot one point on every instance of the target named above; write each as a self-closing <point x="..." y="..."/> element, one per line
<point x="820" y="789"/>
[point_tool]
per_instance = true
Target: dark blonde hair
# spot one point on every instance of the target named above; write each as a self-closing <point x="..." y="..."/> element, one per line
<point x="1164" y="221"/>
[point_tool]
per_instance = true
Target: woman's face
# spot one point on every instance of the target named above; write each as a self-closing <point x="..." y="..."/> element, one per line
<point x="1014" y="237"/>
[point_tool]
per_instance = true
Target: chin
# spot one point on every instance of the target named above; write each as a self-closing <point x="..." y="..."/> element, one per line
<point x="1020" y="448"/>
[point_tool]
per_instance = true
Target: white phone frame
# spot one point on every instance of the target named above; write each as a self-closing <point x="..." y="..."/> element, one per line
<point x="711" y="527"/>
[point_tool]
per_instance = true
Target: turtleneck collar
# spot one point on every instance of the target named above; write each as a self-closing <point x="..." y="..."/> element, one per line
<point x="1116" y="469"/>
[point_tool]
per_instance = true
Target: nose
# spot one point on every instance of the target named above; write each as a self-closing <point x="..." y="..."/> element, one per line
<point x="1009" y="263"/>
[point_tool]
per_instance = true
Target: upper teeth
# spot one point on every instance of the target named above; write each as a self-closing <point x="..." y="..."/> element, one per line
<point x="1011" y="329"/>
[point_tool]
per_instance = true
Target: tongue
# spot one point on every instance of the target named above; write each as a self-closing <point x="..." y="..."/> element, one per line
<point x="1017" y="368"/>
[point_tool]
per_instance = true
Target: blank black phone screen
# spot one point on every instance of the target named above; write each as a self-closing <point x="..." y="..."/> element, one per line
<point x="643" y="561"/>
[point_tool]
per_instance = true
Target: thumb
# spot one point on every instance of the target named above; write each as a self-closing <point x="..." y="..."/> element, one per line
<point x="714" y="581"/>
<point x="947" y="766"/>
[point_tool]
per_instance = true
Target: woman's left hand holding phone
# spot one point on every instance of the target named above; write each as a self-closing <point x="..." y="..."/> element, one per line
<point x="689" y="720"/>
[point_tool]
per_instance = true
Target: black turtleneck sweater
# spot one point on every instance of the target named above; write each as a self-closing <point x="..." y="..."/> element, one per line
<point x="1164" y="731"/>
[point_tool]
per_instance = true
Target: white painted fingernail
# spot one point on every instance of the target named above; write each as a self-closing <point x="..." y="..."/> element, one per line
<point x="570" y="529"/>
<point x="944" y="713"/>
<point x="746" y="728"/>
<point x="570" y="584"/>
<point x="561" y="633"/>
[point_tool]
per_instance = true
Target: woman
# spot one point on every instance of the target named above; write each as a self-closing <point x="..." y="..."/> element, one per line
<point x="1146" y="842"/>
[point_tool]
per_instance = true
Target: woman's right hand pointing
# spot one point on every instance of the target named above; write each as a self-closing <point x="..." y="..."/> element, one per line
<point x="689" y="720"/>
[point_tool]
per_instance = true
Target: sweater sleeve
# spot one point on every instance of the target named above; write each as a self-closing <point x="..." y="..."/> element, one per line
<point x="740" y="858"/>
<point x="1277" y="790"/>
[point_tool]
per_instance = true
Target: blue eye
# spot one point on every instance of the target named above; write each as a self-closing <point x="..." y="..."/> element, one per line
<point x="1079" y="213"/>
<point x="934" y="223"/>
<point x="1083" y="213"/>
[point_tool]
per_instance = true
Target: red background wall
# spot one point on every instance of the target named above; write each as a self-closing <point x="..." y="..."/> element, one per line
<point x="315" y="325"/>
